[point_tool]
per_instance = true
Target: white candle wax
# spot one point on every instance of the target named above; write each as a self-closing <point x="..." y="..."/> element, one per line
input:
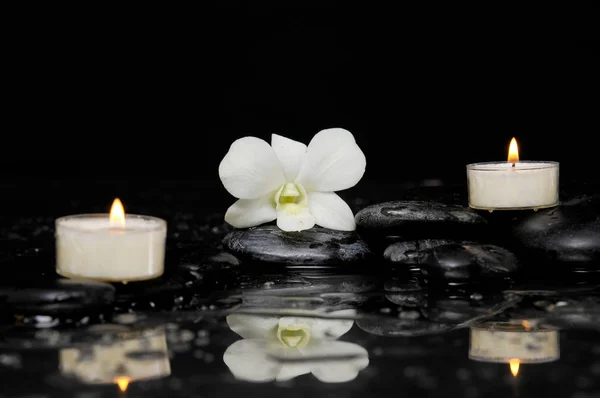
<point x="500" y="186"/>
<point x="87" y="247"/>
<point x="502" y="344"/>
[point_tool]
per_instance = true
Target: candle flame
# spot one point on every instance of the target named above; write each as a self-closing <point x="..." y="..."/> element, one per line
<point x="513" y="151"/>
<point x="527" y="325"/>
<point x="122" y="382"/>
<point x="117" y="214"/>
<point x="514" y="367"/>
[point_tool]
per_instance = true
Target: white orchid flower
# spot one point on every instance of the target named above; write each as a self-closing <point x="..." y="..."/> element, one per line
<point x="291" y="182"/>
<point x="281" y="348"/>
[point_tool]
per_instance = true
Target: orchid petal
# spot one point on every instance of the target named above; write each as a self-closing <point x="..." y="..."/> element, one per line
<point x="247" y="213"/>
<point x="333" y="162"/>
<point x="295" y="222"/>
<point x="253" y="326"/>
<point x="248" y="361"/>
<point x="290" y="153"/>
<point x="290" y="370"/>
<point x="323" y="329"/>
<point x="352" y="359"/>
<point x="331" y="211"/>
<point x="251" y="169"/>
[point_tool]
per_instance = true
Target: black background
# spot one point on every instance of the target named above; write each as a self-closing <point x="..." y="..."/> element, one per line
<point x="142" y="99"/>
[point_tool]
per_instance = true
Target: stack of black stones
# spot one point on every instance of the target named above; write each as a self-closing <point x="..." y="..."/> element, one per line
<point x="442" y="264"/>
<point x="437" y="243"/>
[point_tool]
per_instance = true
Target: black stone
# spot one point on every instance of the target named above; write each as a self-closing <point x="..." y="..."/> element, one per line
<point x="567" y="236"/>
<point x="60" y="296"/>
<point x="468" y="263"/>
<point x="419" y="219"/>
<point x="313" y="247"/>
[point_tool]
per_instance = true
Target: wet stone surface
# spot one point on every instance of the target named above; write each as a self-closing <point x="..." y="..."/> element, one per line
<point x="468" y="263"/>
<point x="314" y="247"/>
<point x="567" y="236"/>
<point x="59" y="296"/>
<point x="419" y="219"/>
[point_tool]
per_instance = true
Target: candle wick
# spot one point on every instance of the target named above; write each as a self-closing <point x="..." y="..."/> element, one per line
<point x="513" y="165"/>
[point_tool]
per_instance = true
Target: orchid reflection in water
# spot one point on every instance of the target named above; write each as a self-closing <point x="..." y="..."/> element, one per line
<point x="283" y="347"/>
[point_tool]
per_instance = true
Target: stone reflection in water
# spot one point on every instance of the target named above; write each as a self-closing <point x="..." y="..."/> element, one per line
<point x="280" y="348"/>
<point x="514" y="343"/>
<point x="132" y="356"/>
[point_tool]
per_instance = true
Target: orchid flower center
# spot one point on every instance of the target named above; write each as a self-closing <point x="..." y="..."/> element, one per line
<point x="293" y="335"/>
<point x="291" y="198"/>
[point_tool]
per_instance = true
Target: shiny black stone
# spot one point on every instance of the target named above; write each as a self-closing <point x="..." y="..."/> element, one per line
<point x="419" y="219"/>
<point x="567" y="235"/>
<point x="313" y="247"/>
<point x="60" y="296"/>
<point x="468" y="263"/>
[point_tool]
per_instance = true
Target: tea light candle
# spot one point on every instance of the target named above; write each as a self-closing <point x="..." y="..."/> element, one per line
<point x="513" y="343"/>
<point x="513" y="185"/>
<point x="110" y="247"/>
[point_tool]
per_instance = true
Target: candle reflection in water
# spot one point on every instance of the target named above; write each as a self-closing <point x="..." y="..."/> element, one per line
<point x="514" y="343"/>
<point x="132" y="356"/>
<point x="280" y="348"/>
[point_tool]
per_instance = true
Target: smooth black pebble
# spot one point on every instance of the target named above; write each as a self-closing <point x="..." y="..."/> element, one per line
<point x="313" y="247"/>
<point x="419" y="219"/>
<point x="567" y="236"/>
